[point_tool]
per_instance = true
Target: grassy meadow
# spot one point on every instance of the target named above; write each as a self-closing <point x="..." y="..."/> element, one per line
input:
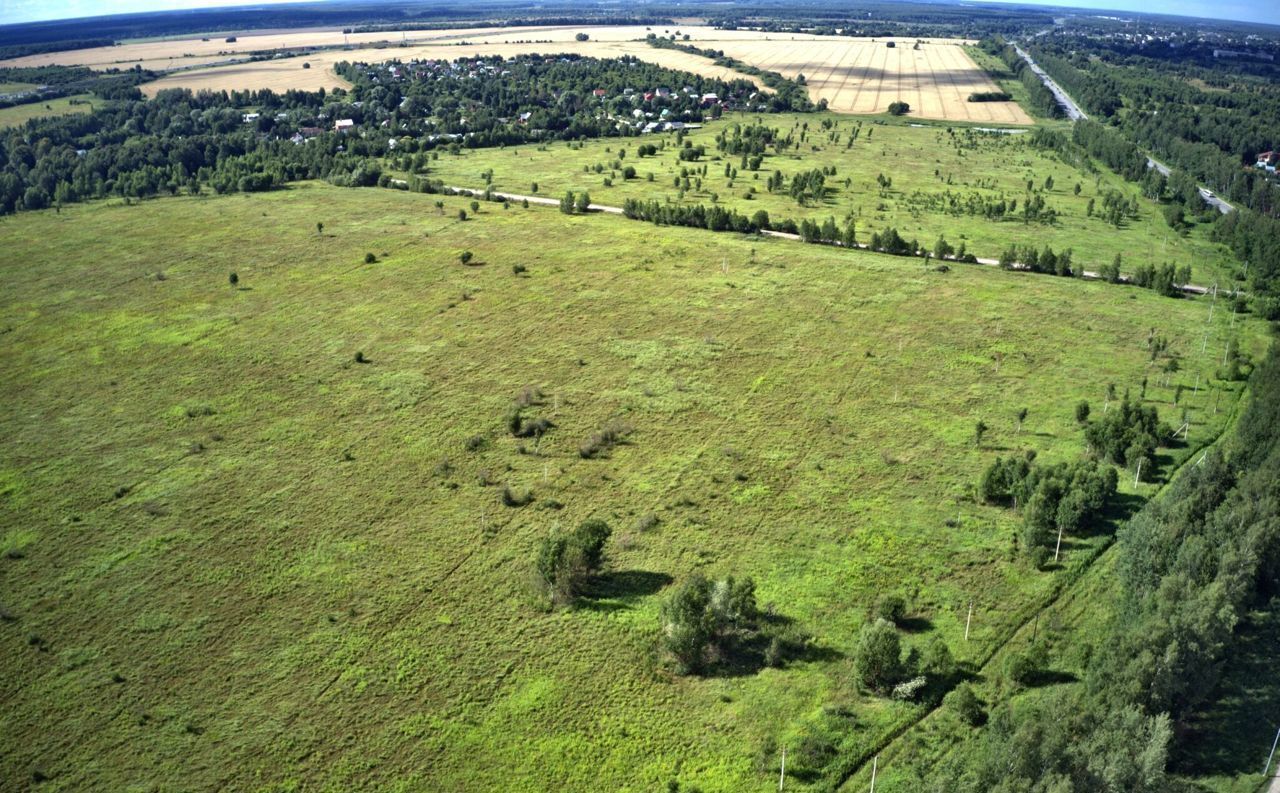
<point x="20" y="114"/>
<point x="236" y="558"/>
<point x="925" y="162"/>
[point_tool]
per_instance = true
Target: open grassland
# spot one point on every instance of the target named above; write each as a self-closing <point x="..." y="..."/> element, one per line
<point x="19" y="114"/>
<point x="853" y="75"/>
<point x="927" y="165"/>
<point x="237" y="559"/>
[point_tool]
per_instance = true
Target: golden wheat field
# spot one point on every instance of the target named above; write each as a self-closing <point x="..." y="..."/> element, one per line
<point x="853" y="75"/>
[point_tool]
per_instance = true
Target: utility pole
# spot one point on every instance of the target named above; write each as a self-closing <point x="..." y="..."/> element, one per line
<point x="968" y="621"/>
<point x="1057" y="548"/>
<point x="1138" y="473"/>
<point x="782" y="776"/>
<point x="876" y="762"/>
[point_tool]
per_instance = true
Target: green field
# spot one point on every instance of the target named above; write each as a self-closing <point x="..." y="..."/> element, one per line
<point x="9" y="88"/>
<point x="238" y="559"/>
<point x="20" y="114"/>
<point x="925" y="162"/>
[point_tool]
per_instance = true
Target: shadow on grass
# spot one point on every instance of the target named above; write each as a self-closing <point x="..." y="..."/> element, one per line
<point x="915" y="624"/>
<point x="744" y="655"/>
<point x="617" y="591"/>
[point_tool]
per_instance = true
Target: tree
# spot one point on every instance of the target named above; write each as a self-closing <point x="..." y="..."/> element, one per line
<point x="462" y="214"/>
<point x="475" y="206"/>
<point x="1022" y="416"/>
<point x="878" y="655"/>
<point x="581" y="37"/>
<point x="965" y="704"/>
<point x="233" y="279"/>
<point x="319" y="228"/>
<point x="979" y="430"/>
<point x="465" y="257"/>
<point x="566" y="561"/>
<point x="369" y="258"/>
<point x="700" y="615"/>
<point x="533" y="188"/>
<point x="583" y="204"/>
<point x="899" y="108"/>
<point x="566" y="203"/>
<point x="1082" y="412"/>
<point x="891" y="608"/>
<point x="937" y="661"/>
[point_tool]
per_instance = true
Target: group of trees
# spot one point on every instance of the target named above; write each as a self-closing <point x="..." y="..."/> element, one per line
<point x="128" y="146"/>
<point x="701" y="618"/>
<point x="1127" y="434"/>
<point x="1055" y="500"/>
<point x="713" y="218"/>
<point x="1039" y="261"/>
<point x="1041" y="98"/>
<point x="1191" y="564"/>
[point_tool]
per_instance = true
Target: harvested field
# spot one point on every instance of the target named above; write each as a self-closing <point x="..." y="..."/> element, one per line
<point x="864" y="76"/>
<point x="286" y="73"/>
<point x="853" y="75"/>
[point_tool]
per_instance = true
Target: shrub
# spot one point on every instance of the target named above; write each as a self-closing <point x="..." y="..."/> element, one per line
<point x="360" y="357"/>
<point x="465" y="257"/>
<point x="476" y="442"/>
<point x="603" y="441"/>
<point x="700" y="615"/>
<point x="878" y="655"/>
<point x="518" y="269"/>
<point x="369" y="258"/>
<point x="899" y="108"/>
<point x="233" y="279"/>
<point x="892" y="608"/>
<point x="908" y="690"/>
<point x="965" y="704"/>
<point x="566" y="561"/>
<point x="512" y="498"/>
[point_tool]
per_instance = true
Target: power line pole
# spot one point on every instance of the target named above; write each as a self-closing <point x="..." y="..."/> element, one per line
<point x="1138" y="473"/>
<point x="876" y="762"/>
<point x="968" y="621"/>
<point x="783" y="776"/>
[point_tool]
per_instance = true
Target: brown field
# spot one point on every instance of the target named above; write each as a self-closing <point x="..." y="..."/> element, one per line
<point x="285" y="73"/>
<point x="864" y="76"/>
<point x="853" y="75"/>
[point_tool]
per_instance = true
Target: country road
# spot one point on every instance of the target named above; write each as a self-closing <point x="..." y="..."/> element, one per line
<point x="1075" y="113"/>
<point x="612" y="210"/>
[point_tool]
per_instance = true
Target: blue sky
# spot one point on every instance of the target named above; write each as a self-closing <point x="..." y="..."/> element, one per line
<point x="29" y="10"/>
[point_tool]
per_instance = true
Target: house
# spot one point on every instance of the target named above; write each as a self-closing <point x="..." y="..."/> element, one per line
<point x="710" y="99"/>
<point x="309" y="132"/>
<point x="1268" y="160"/>
<point x="249" y="118"/>
<point x="664" y="92"/>
<point x="343" y="125"/>
<point x="599" y="92"/>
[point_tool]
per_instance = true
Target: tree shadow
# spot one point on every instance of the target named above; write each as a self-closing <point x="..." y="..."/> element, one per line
<point x="915" y="624"/>
<point x="1050" y="677"/>
<point x="618" y="590"/>
<point x="744" y="654"/>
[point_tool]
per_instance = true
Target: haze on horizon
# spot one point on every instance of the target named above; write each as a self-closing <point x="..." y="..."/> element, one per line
<point x="18" y="11"/>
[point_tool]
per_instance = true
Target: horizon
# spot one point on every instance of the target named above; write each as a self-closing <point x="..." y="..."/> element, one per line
<point x="18" y="12"/>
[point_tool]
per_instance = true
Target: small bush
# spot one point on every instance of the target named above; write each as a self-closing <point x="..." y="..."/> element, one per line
<point x="369" y="258"/>
<point x="233" y="279"/>
<point x="465" y="257"/>
<point x="360" y="357"/>
<point x="518" y="269"/>
<point x="965" y="704"/>
<point x="512" y="498"/>
<point x="908" y="690"/>
<point x="476" y="442"/>
<point x="603" y="441"/>
<point x="892" y="608"/>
